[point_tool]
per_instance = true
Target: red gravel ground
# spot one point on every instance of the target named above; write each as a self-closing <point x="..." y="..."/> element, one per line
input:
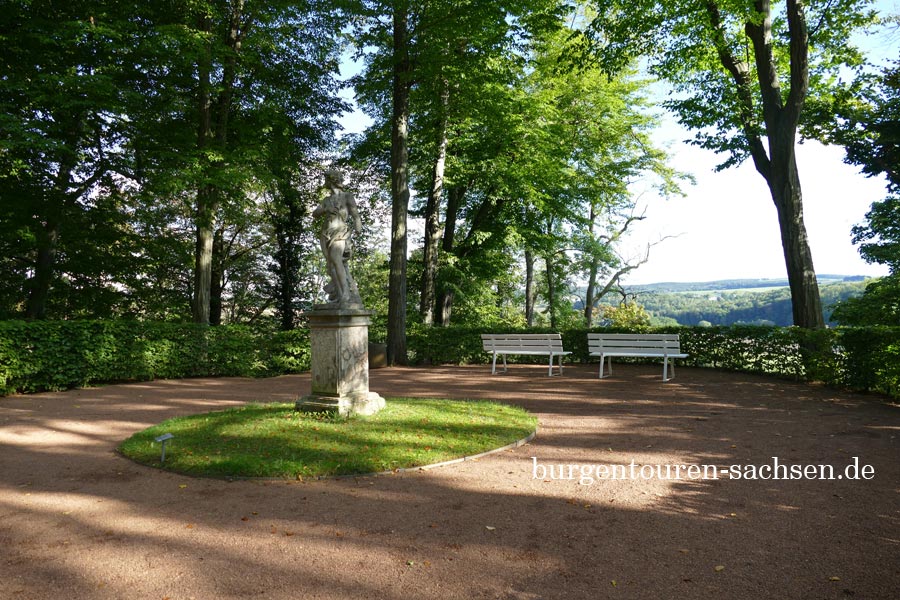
<point x="79" y="521"/>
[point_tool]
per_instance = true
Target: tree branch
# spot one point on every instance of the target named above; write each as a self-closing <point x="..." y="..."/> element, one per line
<point x="614" y="279"/>
<point x="760" y="35"/>
<point x="740" y="73"/>
<point x="799" y="33"/>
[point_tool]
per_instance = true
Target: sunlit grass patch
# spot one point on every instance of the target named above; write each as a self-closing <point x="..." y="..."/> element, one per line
<point x="274" y="440"/>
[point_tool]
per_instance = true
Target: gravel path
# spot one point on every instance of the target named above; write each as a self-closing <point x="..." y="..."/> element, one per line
<point x="79" y="521"/>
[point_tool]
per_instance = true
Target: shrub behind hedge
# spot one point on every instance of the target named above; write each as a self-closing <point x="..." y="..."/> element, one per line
<point x="861" y="358"/>
<point x="54" y="355"/>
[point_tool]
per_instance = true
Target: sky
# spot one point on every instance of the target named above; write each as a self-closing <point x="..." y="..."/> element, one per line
<point x="726" y="227"/>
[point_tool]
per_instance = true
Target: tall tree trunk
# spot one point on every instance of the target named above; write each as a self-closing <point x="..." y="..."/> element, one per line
<point x="203" y="254"/>
<point x="207" y="135"/>
<point x="287" y="282"/>
<point x="454" y="203"/>
<point x="44" y="267"/>
<point x="205" y="203"/>
<point x="432" y="214"/>
<point x="589" y="296"/>
<point x="217" y="277"/>
<point x="551" y="291"/>
<point x="396" y="326"/>
<point x="286" y="258"/>
<point x="785" y="188"/>
<point x="58" y="203"/>
<point x="592" y="277"/>
<point x="781" y="114"/>
<point x="445" y="295"/>
<point x="529" y="288"/>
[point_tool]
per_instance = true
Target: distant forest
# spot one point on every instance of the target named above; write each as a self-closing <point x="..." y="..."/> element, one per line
<point x="727" y="302"/>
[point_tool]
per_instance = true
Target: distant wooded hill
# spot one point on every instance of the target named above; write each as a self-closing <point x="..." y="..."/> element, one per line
<point x="730" y="301"/>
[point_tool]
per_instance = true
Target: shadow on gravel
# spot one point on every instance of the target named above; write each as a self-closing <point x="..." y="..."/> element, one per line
<point x="77" y="517"/>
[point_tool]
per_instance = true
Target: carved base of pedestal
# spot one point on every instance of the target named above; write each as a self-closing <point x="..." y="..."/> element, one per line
<point x="361" y="403"/>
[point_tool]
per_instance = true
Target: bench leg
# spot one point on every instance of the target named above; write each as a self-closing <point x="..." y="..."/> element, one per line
<point x="666" y="369"/>
<point x="559" y="362"/>
<point x="494" y="364"/>
<point x="602" y="360"/>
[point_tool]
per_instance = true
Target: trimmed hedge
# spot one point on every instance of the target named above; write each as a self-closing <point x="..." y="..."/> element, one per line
<point x="859" y="358"/>
<point x="54" y="355"/>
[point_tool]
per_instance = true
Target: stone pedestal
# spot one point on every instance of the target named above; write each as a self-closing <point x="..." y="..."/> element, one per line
<point x="339" y="362"/>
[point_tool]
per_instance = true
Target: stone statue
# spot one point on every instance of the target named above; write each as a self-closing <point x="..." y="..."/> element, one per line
<point x="339" y="330"/>
<point x="334" y="237"/>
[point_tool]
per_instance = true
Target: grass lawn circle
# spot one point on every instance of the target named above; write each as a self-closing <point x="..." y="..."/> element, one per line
<point x="275" y="440"/>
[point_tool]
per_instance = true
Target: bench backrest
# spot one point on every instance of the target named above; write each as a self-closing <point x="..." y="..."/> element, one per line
<point x="510" y="342"/>
<point x="662" y="343"/>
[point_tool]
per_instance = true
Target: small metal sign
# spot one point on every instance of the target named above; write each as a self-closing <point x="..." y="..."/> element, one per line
<point x="163" y="439"/>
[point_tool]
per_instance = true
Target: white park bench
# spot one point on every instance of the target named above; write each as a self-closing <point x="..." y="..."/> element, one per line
<point x="662" y="345"/>
<point x="540" y="344"/>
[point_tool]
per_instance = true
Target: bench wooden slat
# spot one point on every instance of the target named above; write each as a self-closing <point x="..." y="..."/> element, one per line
<point x="532" y="344"/>
<point x="633" y="336"/>
<point x="650" y="345"/>
<point x="523" y="336"/>
<point x="636" y="343"/>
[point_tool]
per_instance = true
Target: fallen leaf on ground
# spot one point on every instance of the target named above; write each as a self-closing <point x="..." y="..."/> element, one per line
<point x="720" y="568"/>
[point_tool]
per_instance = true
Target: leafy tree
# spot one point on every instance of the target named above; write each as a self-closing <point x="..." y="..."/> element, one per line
<point x="879" y="242"/>
<point x="741" y="73"/>
<point x="627" y="315"/>
<point x="415" y="49"/>
<point x="863" y="116"/>
<point x="61" y="131"/>
<point x="244" y="93"/>
<point x="868" y="126"/>
<point x="589" y="142"/>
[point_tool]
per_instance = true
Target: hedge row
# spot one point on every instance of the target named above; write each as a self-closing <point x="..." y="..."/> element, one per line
<point x="860" y="358"/>
<point x="54" y="355"/>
